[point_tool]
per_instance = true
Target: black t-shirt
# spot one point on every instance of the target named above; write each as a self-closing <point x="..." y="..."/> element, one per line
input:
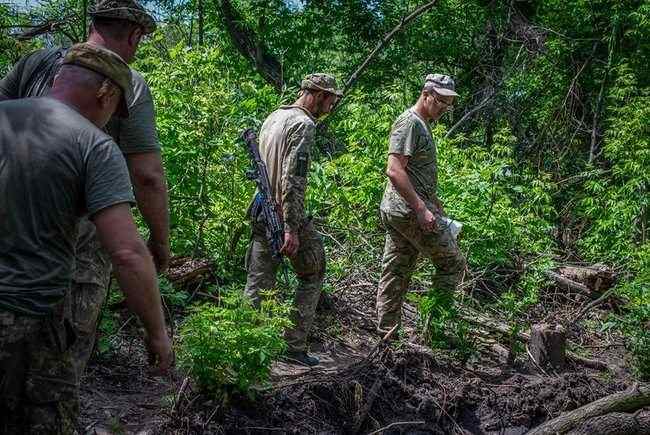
<point x="55" y="167"/>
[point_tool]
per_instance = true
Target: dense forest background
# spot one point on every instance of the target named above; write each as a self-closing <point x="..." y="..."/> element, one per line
<point x="545" y="159"/>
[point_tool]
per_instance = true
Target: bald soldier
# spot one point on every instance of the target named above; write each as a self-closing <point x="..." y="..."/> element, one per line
<point x="410" y="208"/>
<point x="117" y="25"/>
<point x="56" y="166"/>
<point x="285" y="141"/>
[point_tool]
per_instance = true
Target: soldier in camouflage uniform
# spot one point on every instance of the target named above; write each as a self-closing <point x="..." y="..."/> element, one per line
<point x="56" y="165"/>
<point x="410" y="209"/>
<point x="117" y="25"/>
<point x="285" y="140"/>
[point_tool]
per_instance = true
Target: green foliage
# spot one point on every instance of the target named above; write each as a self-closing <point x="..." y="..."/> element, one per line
<point x="635" y="327"/>
<point x="230" y="346"/>
<point x="107" y="329"/>
<point x="441" y="323"/>
<point x="202" y="110"/>
<point x="515" y="172"/>
<point x="171" y="295"/>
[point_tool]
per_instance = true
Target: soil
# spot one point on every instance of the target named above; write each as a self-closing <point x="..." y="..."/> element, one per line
<point x="363" y="385"/>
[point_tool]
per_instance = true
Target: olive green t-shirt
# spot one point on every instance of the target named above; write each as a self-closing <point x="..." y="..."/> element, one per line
<point x="32" y="76"/>
<point x="411" y="136"/>
<point x="55" y="167"/>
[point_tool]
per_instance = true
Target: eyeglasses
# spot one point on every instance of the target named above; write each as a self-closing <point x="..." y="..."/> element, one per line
<point x="448" y="106"/>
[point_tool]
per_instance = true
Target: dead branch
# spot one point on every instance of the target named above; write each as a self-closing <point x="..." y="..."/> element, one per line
<point x="403" y="23"/>
<point x="594" y="150"/>
<point x="397" y="423"/>
<point x="49" y="26"/>
<point x="635" y="397"/>
<point x="250" y="46"/>
<point x="593" y="304"/>
<point x="470" y="113"/>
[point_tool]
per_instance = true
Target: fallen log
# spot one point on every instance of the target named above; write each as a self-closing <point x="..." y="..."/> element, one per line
<point x="616" y="423"/>
<point x="632" y="399"/>
<point x="591" y="281"/>
<point x="564" y="282"/>
<point x="596" y="278"/>
<point x="187" y="271"/>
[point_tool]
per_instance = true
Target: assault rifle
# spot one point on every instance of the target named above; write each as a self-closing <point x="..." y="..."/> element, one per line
<point x="264" y="202"/>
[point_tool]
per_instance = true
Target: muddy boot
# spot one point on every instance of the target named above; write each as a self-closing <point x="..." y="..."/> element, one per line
<point x="302" y="357"/>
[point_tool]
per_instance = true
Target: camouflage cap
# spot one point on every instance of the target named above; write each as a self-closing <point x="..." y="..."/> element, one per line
<point x="321" y="82"/>
<point x="108" y="64"/>
<point x="129" y="10"/>
<point x="442" y="84"/>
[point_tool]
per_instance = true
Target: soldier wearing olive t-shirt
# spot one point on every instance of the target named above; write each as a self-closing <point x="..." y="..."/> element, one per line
<point x="57" y="166"/>
<point x="117" y="25"/>
<point x="411" y="210"/>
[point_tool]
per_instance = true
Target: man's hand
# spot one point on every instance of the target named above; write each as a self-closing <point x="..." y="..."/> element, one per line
<point x="160" y="254"/>
<point x="426" y="220"/>
<point x="291" y="243"/>
<point x="160" y="352"/>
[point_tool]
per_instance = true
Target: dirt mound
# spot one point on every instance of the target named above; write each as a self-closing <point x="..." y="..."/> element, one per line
<point x="415" y="392"/>
<point x="362" y="385"/>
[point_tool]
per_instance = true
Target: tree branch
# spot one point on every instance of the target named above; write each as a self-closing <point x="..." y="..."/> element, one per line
<point x="249" y="45"/>
<point x="380" y="45"/>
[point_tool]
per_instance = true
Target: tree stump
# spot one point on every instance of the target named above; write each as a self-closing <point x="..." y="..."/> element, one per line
<point x="548" y="346"/>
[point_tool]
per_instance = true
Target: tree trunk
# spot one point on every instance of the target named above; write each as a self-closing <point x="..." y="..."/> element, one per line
<point x="249" y="45"/>
<point x="200" y="22"/>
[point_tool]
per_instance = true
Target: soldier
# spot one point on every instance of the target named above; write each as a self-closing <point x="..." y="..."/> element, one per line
<point x="285" y="140"/>
<point x="410" y="209"/>
<point x="117" y="25"/>
<point x="55" y="166"/>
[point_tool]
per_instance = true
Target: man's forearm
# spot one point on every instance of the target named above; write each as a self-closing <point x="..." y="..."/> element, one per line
<point x="153" y="203"/>
<point x="405" y="188"/>
<point x="150" y="188"/>
<point x="136" y="276"/>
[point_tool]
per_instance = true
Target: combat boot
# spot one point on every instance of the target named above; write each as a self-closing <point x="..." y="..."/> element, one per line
<point x="302" y="357"/>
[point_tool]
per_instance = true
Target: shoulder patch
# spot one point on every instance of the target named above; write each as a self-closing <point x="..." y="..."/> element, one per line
<point x="302" y="164"/>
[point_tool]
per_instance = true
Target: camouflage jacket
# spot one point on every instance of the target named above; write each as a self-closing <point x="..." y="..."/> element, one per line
<point x="285" y="141"/>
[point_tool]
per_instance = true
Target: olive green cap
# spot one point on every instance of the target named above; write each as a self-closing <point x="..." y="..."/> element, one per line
<point x="128" y="10"/>
<point x="321" y="82"/>
<point x="108" y="64"/>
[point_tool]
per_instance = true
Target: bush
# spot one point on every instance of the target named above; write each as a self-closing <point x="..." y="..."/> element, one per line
<point x="230" y="347"/>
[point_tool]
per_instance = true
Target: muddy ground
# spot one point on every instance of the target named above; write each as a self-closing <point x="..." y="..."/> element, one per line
<point x="364" y="385"/>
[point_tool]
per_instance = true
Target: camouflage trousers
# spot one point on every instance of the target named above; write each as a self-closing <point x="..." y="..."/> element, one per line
<point x="85" y="304"/>
<point x="405" y="241"/>
<point x="38" y="386"/>
<point x="91" y="276"/>
<point x="309" y="266"/>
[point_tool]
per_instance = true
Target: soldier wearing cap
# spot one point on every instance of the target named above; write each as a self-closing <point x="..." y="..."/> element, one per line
<point x="117" y="25"/>
<point x="285" y="140"/>
<point x="410" y="208"/>
<point x="56" y="166"/>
